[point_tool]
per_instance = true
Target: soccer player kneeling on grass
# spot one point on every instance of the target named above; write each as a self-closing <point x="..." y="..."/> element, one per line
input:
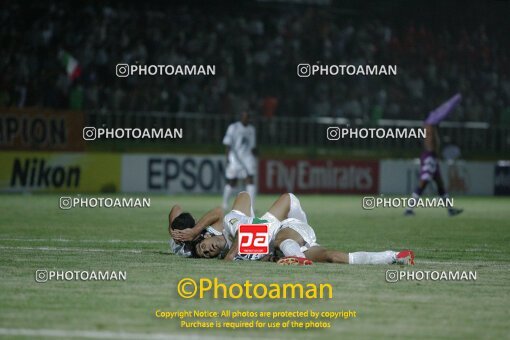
<point x="288" y="231"/>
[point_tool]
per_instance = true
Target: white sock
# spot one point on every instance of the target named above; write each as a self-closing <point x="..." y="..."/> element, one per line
<point x="251" y="190"/>
<point x="227" y="191"/>
<point x="291" y="248"/>
<point x="363" y="257"/>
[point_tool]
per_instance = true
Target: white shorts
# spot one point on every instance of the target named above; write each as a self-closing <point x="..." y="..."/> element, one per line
<point x="295" y="210"/>
<point x="303" y="229"/>
<point x="241" y="168"/>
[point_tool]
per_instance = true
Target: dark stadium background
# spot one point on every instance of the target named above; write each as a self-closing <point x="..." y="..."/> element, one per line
<point x="440" y="47"/>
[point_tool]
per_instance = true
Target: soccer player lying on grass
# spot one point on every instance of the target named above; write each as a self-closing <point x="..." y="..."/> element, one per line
<point x="429" y="164"/>
<point x="185" y="234"/>
<point x="209" y="237"/>
<point x="288" y="232"/>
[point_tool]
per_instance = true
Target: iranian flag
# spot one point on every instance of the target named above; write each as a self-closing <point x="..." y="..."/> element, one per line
<point x="71" y="64"/>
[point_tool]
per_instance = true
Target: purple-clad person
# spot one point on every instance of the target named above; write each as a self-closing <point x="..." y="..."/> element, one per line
<point x="429" y="164"/>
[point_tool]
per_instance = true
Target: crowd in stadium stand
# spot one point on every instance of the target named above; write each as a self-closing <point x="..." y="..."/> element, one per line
<point x="256" y="56"/>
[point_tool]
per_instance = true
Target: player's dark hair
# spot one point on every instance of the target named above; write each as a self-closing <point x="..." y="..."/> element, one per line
<point x="183" y="221"/>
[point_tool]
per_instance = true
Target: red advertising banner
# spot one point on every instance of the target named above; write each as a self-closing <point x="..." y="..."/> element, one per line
<point x="318" y="176"/>
<point x="41" y="129"/>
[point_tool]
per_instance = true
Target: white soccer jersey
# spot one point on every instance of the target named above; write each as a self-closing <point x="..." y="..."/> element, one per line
<point x="241" y="139"/>
<point x="235" y="218"/>
<point x="181" y="249"/>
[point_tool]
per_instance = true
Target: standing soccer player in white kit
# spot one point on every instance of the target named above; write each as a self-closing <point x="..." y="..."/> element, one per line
<point x="240" y="141"/>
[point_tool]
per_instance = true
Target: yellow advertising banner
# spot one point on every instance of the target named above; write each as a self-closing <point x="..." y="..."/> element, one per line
<point x="59" y="172"/>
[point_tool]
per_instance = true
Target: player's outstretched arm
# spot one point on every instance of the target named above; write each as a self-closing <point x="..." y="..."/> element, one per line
<point x="233" y="249"/>
<point x="174" y="212"/>
<point x="212" y="217"/>
<point x="242" y="203"/>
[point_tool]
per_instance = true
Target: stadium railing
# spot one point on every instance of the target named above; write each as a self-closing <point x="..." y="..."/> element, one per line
<point x="201" y="128"/>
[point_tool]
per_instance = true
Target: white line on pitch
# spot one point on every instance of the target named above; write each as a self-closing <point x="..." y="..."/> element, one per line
<point x="73" y="249"/>
<point x="474" y="250"/>
<point x="84" y="241"/>
<point x="464" y="263"/>
<point x="99" y="334"/>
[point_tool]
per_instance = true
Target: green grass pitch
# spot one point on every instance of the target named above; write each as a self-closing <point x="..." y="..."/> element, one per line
<point x="36" y="234"/>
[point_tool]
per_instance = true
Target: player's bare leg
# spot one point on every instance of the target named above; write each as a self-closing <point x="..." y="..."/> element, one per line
<point x="242" y="203"/>
<point x="290" y="242"/>
<point x="227" y="192"/>
<point x="287" y="206"/>
<point x="281" y="207"/>
<point x="320" y="254"/>
<point x="252" y="190"/>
